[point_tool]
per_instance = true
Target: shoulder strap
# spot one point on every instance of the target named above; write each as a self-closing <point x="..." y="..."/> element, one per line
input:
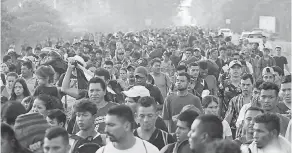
<point x="144" y="146"/>
<point x="165" y="137"/>
<point x="77" y="139"/>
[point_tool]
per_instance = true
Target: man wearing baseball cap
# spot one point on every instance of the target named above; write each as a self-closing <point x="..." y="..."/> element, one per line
<point x="141" y="78"/>
<point x="268" y="74"/>
<point x="231" y="87"/>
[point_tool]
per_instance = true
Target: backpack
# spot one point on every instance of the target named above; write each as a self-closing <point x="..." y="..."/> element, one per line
<point x="87" y="145"/>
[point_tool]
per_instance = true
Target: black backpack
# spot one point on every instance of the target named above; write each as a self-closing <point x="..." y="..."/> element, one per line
<point x="87" y="145"/>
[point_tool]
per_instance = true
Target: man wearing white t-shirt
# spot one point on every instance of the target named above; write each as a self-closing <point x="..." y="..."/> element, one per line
<point x="119" y="129"/>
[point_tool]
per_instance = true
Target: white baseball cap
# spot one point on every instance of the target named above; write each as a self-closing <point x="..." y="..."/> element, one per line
<point x="137" y="91"/>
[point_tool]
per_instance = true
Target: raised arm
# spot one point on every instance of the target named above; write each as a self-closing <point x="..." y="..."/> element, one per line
<point x="73" y="92"/>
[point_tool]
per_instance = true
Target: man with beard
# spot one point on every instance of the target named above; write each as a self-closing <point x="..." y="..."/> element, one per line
<point x="237" y="102"/>
<point x="175" y="102"/>
<point x="141" y="78"/>
<point x="204" y="130"/>
<point x="267" y="138"/>
<point x="119" y="129"/>
<point x="147" y="116"/>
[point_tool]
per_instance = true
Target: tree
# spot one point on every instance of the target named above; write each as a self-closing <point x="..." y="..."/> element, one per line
<point x="32" y="21"/>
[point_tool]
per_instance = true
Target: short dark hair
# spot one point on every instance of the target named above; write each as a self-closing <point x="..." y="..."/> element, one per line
<point x="190" y="50"/>
<point x="254" y="109"/>
<point x="186" y="75"/>
<point x="181" y="67"/>
<point x="147" y="102"/>
<point x="37" y="48"/>
<point x="97" y="80"/>
<point x="109" y="63"/>
<point x="51" y="102"/>
<point x="287" y="79"/>
<point x="6" y="58"/>
<point x="188" y="116"/>
<point x="258" y="84"/>
<point x="42" y="55"/>
<point x="57" y="131"/>
<point x="28" y="48"/>
<point x="12" y="68"/>
<point x="57" y="114"/>
<point x="155" y="60"/>
<point x="278" y="70"/>
<point x="193" y="64"/>
<point x="124" y="69"/>
<point x="14" y="74"/>
<point x="222" y="48"/>
<point x="213" y="50"/>
<point x="86" y="106"/>
<point x="103" y="72"/>
<point x="10" y="110"/>
<point x="270" y="86"/>
<point x="271" y="121"/>
<point x="122" y="111"/>
<point x="8" y="132"/>
<point x="247" y="76"/>
<point x="212" y="125"/>
<point x="266" y="49"/>
<point x="28" y="64"/>
<point x="99" y="51"/>
<point x="203" y="64"/>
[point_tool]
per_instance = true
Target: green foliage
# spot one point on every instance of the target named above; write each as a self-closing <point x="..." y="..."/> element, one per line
<point x="32" y="22"/>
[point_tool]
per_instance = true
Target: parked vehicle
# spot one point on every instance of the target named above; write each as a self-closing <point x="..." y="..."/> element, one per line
<point x="226" y="32"/>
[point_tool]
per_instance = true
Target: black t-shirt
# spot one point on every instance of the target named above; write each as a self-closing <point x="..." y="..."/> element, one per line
<point x="280" y="61"/>
<point x="52" y="91"/>
<point x="157" y="138"/>
<point x="155" y="93"/>
<point x="160" y="124"/>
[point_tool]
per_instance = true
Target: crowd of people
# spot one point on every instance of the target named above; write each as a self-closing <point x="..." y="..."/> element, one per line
<point x="172" y="90"/>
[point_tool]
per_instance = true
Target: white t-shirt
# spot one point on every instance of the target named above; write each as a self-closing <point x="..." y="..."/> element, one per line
<point x="226" y="129"/>
<point x="139" y="147"/>
<point x="249" y="66"/>
<point x="241" y="114"/>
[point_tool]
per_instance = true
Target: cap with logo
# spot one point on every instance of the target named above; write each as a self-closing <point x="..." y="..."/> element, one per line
<point x="235" y="62"/>
<point x="267" y="70"/>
